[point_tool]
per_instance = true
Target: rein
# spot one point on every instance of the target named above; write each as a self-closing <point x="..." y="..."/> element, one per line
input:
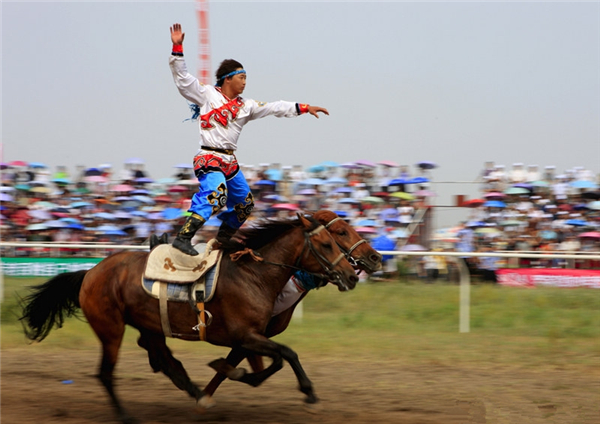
<point x="308" y="248"/>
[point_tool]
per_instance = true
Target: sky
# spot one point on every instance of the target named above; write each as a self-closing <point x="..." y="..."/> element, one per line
<point x="458" y="84"/>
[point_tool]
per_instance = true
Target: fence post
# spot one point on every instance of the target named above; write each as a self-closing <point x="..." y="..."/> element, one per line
<point x="465" y="296"/>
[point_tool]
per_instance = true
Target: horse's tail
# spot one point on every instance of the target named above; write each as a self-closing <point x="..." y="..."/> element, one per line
<point x="48" y="304"/>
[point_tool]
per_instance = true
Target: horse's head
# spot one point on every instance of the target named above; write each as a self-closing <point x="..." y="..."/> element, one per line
<point x="324" y="255"/>
<point x="357" y="250"/>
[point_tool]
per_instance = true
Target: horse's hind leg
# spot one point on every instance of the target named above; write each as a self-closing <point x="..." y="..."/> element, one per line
<point x="161" y="359"/>
<point x="111" y="336"/>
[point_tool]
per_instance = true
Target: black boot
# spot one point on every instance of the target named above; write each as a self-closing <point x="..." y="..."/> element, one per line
<point x="225" y="233"/>
<point x="183" y="241"/>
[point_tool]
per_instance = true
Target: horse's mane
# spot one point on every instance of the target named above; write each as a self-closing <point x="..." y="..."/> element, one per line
<point x="264" y="231"/>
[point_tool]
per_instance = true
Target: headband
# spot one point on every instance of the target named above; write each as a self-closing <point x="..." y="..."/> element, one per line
<point x="239" y="71"/>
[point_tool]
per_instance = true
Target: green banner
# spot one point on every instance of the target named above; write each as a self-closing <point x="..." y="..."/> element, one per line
<point x="44" y="267"/>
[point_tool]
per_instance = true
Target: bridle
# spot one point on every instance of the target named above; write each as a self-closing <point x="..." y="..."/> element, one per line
<point x="348" y="253"/>
<point x="328" y="267"/>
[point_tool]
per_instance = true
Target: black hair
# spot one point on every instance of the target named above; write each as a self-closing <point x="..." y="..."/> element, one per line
<point x="227" y="66"/>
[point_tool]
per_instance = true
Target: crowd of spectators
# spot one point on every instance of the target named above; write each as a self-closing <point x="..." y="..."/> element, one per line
<point x="523" y="209"/>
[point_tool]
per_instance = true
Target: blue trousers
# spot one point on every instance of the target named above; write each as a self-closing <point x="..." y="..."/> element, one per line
<point x="215" y="193"/>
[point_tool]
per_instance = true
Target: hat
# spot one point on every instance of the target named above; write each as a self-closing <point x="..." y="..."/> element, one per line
<point x="517" y="164"/>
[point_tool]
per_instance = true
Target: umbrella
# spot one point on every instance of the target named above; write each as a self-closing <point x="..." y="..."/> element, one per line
<point x="425" y="193"/>
<point x="39" y="214"/>
<point x="122" y="188"/>
<point x="526" y="186"/>
<point x="139" y="191"/>
<point x="134" y="161"/>
<point x="510" y="223"/>
<point x="366" y="223"/>
<point x="37" y="165"/>
<point x="163" y="199"/>
<point x="366" y="163"/>
<point x="274" y="174"/>
<point x="144" y="199"/>
<point x="402" y="195"/>
<point x="576" y="222"/>
<point x="341" y="214"/>
<point x="5" y="197"/>
<point x="107" y="227"/>
<point x="56" y="224"/>
<point x="307" y="192"/>
<point x="548" y="235"/>
<point x="348" y="200"/>
<point x="350" y="165"/>
<point x="487" y="230"/>
<point x="388" y="164"/>
<point x="472" y="224"/>
<point x="583" y="184"/>
<point x="312" y="181"/>
<point x="413" y="248"/>
<point x="590" y="234"/>
<point x="184" y="166"/>
<point x="594" y="205"/>
<point x="286" y="206"/>
<point x="75" y="226"/>
<point x="330" y="164"/>
<point x="122" y="215"/>
<point x="316" y="168"/>
<point x="41" y="189"/>
<point x="61" y="181"/>
<point x="17" y="163"/>
<point x="398" y="181"/>
<point x="6" y="188"/>
<point x="366" y="230"/>
<point x="494" y="195"/>
<point x="36" y="227"/>
<point x="92" y="171"/>
<point x="265" y="183"/>
<point x="516" y="190"/>
<point x="336" y="180"/>
<point x="104" y="215"/>
<point x="114" y="233"/>
<point x="540" y="184"/>
<point x="426" y="165"/>
<point x="372" y="199"/>
<point x="473" y="203"/>
<point x="70" y="220"/>
<point x="45" y="205"/>
<point x="343" y="190"/>
<point x="418" y="180"/>
<point x="95" y="179"/>
<point x="144" y="180"/>
<point x="177" y="189"/>
<point x="167" y="180"/>
<point x="494" y="204"/>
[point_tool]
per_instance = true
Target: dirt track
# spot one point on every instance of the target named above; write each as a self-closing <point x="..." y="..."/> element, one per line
<point x="35" y="389"/>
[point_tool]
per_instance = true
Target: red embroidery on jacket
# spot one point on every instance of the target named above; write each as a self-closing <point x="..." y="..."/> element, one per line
<point x="222" y="115"/>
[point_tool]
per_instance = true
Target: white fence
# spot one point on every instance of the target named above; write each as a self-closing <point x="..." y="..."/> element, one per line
<point x="465" y="277"/>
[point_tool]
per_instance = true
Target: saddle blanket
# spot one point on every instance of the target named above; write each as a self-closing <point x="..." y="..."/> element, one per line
<point x="183" y="292"/>
<point x="165" y="263"/>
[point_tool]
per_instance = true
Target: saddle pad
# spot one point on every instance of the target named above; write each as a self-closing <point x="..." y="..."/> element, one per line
<point x="165" y="263"/>
<point x="182" y="293"/>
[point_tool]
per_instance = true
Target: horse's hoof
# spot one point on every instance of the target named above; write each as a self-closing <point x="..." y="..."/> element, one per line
<point x="313" y="408"/>
<point x="311" y="399"/>
<point x="207" y="402"/>
<point x="236" y="374"/>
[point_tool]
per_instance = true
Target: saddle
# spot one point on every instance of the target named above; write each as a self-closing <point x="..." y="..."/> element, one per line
<point x="173" y="276"/>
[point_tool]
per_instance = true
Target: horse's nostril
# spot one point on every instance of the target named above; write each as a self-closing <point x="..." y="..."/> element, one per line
<point x="376" y="257"/>
<point x="354" y="279"/>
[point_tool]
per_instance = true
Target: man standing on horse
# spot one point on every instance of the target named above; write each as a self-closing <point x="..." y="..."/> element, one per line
<point x="222" y="114"/>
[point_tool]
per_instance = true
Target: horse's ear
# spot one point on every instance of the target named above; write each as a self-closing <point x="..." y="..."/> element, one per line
<point x="305" y="222"/>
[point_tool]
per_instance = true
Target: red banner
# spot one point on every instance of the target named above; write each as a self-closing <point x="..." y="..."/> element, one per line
<point x="545" y="277"/>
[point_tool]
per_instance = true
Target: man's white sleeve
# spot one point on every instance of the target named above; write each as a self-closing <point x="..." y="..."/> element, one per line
<point x="189" y="87"/>
<point x="280" y="109"/>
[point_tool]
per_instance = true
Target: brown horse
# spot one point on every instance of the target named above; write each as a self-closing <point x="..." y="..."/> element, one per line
<point x="111" y="296"/>
<point x="358" y="252"/>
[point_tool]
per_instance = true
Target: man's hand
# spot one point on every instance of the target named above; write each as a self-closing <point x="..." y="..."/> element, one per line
<point x="176" y="35"/>
<point x="313" y="110"/>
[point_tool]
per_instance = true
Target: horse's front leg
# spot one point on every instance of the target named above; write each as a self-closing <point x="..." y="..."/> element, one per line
<point x="260" y="345"/>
